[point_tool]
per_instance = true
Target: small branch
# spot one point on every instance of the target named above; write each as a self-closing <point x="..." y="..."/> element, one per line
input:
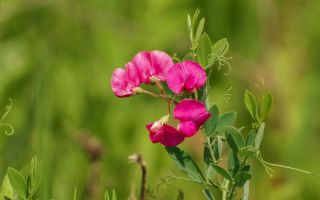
<point x="138" y="159"/>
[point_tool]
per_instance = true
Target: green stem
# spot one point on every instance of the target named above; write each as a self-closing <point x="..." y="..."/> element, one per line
<point x="211" y="184"/>
<point x="232" y="191"/>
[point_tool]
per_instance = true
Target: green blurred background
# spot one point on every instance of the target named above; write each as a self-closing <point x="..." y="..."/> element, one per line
<point x="57" y="57"/>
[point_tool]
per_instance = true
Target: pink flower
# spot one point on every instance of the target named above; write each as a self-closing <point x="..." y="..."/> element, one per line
<point x="152" y="63"/>
<point x="165" y="134"/>
<point x="192" y="115"/>
<point x="144" y="66"/>
<point x="186" y="75"/>
<point x="123" y="81"/>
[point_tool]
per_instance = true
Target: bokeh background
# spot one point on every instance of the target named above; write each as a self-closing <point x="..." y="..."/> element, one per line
<point x="56" y="59"/>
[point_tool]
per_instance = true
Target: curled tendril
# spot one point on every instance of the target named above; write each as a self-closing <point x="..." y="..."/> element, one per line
<point x="9" y="130"/>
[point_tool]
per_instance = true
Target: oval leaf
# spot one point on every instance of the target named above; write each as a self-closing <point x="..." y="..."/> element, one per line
<point x="211" y="125"/>
<point x="18" y="182"/>
<point x="225" y="120"/>
<point x="222" y="172"/>
<point x="203" y="50"/>
<point x="251" y="104"/>
<point x="266" y="106"/>
<point x="234" y="139"/>
<point x="185" y="163"/>
<point x="259" y="136"/>
<point x="242" y="176"/>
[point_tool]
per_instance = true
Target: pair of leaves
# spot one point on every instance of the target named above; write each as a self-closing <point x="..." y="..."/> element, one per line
<point x="26" y="187"/>
<point x="234" y="139"/>
<point x="218" y="124"/>
<point x="185" y="163"/>
<point x="241" y="176"/>
<point x="208" y="54"/>
<point x="253" y="143"/>
<point x="252" y="106"/>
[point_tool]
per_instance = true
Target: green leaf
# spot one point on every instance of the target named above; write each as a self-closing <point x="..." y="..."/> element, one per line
<point x="18" y="182"/>
<point x="106" y="195"/>
<point x="225" y="120"/>
<point x="259" y="136"/>
<point x="203" y="50"/>
<point x="249" y="151"/>
<point x="233" y="163"/>
<point x="234" y="139"/>
<point x="251" y="138"/>
<point x="185" y="163"/>
<point x="199" y="29"/>
<point x="36" y="174"/>
<point x="251" y="104"/>
<point x="114" y="195"/>
<point x="208" y="194"/>
<point x="189" y="21"/>
<point x="266" y="106"/>
<point x="217" y="148"/>
<point x="6" y="188"/>
<point x="242" y="176"/>
<point x="75" y="193"/>
<point x="211" y="125"/>
<point x="220" y="48"/>
<point x="222" y="172"/>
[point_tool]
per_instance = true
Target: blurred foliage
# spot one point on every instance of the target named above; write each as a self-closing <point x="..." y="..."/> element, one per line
<point x="56" y="59"/>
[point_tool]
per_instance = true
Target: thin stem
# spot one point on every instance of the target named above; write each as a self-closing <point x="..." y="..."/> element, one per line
<point x="210" y="149"/>
<point x="226" y="185"/>
<point x="232" y="191"/>
<point x="171" y="100"/>
<point x="211" y="184"/>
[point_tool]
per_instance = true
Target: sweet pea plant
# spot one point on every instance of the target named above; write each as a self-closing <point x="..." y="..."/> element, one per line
<point x="184" y="85"/>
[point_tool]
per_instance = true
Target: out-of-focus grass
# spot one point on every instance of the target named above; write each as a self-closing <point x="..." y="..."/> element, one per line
<point x="56" y="59"/>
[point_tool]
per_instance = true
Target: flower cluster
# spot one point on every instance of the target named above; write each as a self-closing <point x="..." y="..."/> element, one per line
<point x="154" y="67"/>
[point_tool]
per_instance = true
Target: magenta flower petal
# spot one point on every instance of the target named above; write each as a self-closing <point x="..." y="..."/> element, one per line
<point x="132" y="75"/>
<point x="188" y="128"/>
<point x="187" y="75"/>
<point x="154" y="63"/>
<point x="161" y="62"/>
<point x="192" y="114"/>
<point x="165" y="134"/>
<point x="119" y="83"/>
<point x="142" y="63"/>
<point x="176" y="78"/>
<point x="188" y="110"/>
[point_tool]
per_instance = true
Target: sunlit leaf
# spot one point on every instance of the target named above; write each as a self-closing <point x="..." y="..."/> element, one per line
<point x="251" y="104"/>
<point x="199" y="29"/>
<point x="266" y="106"/>
<point x="220" y="48"/>
<point x="203" y="50"/>
<point x="246" y="190"/>
<point x="259" y="136"/>
<point x="18" y="182"/>
<point x="251" y="138"/>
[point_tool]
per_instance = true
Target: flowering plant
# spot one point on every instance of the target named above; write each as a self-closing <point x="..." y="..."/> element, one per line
<point x="185" y="85"/>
